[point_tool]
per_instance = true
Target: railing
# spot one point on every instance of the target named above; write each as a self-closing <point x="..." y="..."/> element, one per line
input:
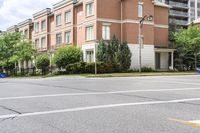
<point x="178" y="4"/>
<point x="179" y="13"/>
<point x="178" y="22"/>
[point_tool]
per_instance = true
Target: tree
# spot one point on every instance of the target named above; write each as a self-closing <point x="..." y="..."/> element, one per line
<point x="114" y="53"/>
<point x="67" y="55"/>
<point x="102" y="53"/>
<point x="42" y="62"/>
<point x="25" y="51"/>
<point x="187" y="43"/>
<point x="8" y="44"/>
<point x="124" y="56"/>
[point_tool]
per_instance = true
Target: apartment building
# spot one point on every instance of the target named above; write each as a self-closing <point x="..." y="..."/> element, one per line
<point x="178" y="14"/>
<point x="194" y="10"/>
<point x="42" y="29"/>
<point x="26" y="28"/>
<point x="84" y="22"/>
<point x="13" y="28"/>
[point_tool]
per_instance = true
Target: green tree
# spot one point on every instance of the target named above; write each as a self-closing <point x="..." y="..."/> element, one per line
<point x="8" y="44"/>
<point x="42" y="61"/>
<point x="187" y="43"/>
<point x="67" y="55"/>
<point x="124" y="56"/>
<point x="25" y="51"/>
<point x="114" y="53"/>
<point x="102" y="54"/>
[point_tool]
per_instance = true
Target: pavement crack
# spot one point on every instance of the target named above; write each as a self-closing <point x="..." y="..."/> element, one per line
<point x="195" y="104"/>
<point x="141" y="97"/>
<point x="59" y="86"/>
<point x="9" y="109"/>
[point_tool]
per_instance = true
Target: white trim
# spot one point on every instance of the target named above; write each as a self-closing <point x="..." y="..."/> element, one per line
<point x="130" y="21"/>
<point x="161" y="26"/>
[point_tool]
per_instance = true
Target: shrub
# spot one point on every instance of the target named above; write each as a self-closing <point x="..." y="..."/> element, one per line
<point x="42" y="61"/>
<point x="147" y="69"/>
<point x="76" y="68"/>
<point x="66" y="56"/>
<point x="84" y="67"/>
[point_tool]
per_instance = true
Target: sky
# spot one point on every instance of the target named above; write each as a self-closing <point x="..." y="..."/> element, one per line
<point x="15" y="11"/>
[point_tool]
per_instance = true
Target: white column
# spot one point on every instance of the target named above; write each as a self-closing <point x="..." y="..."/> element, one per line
<point x="196" y="11"/>
<point x="172" y="60"/>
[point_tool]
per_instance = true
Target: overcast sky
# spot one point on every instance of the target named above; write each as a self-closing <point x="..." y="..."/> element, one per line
<point x="15" y="11"/>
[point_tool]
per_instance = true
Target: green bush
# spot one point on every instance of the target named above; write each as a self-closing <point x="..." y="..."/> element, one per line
<point x="147" y="69"/>
<point x="68" y="55"/>
<point x="42" y="61"/>
<point x="76" y="68"/>
<point x="83" y="67"/>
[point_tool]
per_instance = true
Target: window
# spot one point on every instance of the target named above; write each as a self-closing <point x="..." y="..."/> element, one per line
<point x="106" y="32"/>
<point x="58" y="20"/>
<point x="67" y="16"/>
<point x="90" y="56"/>
<point x="162" y="1"/>
<point x="140" y="10"/>
<point x="36" y="43"/>
<point x="36" y="27"/>
<point x="58" y="39"/>
<point x="198" y="5"/>
<point x="89" y="33"/>
<point x="43" y="42"/>
<point x="43" y="25"/>
<point x="89" y="9"/>
<point x="26" y="33"/>
<point x="68" y="37"/>
<point x="192" y="4"/>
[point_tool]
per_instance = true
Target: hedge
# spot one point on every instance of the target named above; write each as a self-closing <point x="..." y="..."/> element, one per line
<point x="83" y="67"/>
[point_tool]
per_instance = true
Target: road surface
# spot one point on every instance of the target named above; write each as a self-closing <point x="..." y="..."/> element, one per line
<point x="160" y="104"/>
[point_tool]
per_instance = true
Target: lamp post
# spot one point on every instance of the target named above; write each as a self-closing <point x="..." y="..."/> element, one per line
<point x="51" y="51"/>
<point x="141" y="22"/>
<point x="95" y="66"/>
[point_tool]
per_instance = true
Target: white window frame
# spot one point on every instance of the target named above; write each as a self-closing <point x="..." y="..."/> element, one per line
<point x="89" y="55"/>
<point x="26" y="34"/>
<point x="43" y="44"/>
<point x="90" y="33"/>
<point x="58" y="43"/>
<point x="106" y="32"/>
<point x="36" y="27"/>
<point x="68" y="15"/>
<point x="37" y="41"/>
<point x="68" y="40"/>
<point x="57" y="22"/>
<point x="43" y="27"/>
<point x="140" y="10"/>
<point x="89" y="9"/>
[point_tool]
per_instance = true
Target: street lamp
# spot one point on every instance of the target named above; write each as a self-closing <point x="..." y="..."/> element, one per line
<point x="141" y="23"/>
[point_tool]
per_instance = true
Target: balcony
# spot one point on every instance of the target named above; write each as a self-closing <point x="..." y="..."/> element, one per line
<point x="178" y="14"/>
<point x="178" y="22"/>
<point x="178" y="5"/>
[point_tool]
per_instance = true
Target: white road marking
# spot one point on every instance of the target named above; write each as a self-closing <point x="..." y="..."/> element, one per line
<point x="96" y="107"/>
<point x="97" y="93"/>
<point x="195" y="121"/>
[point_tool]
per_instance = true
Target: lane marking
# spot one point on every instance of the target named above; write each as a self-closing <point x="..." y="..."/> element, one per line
<point x="195" y="123"/>
<point x="95" y="107"/>
<point x="96" y="93"/>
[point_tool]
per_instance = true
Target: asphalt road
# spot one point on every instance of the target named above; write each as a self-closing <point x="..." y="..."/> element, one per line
<point x="168" y="104"/>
